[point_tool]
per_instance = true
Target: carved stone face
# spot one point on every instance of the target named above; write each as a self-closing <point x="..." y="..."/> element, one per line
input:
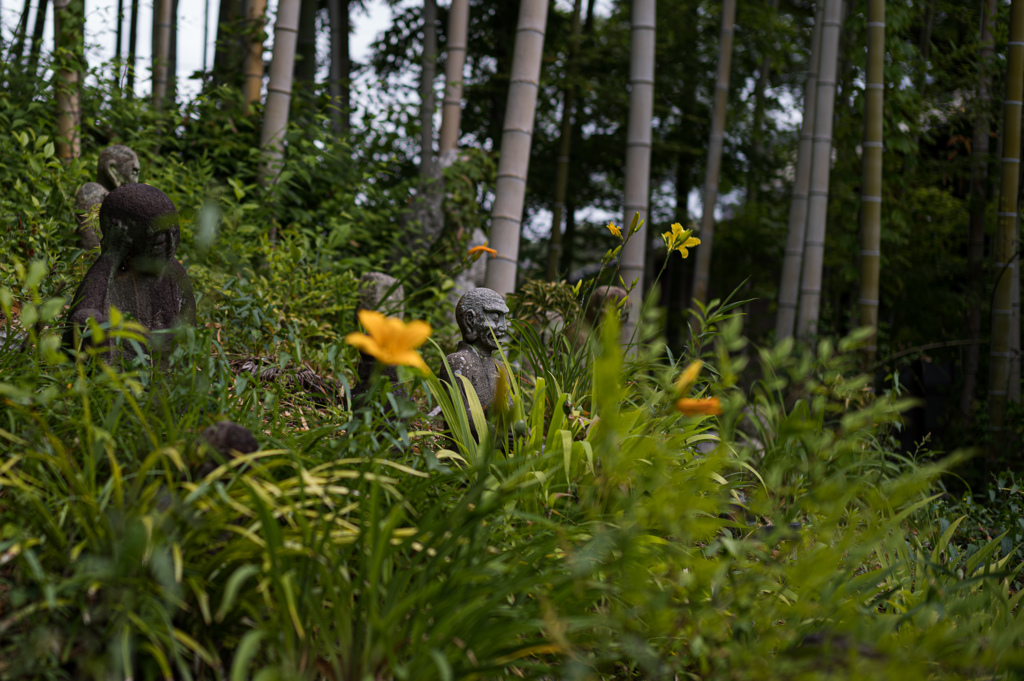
<point x="140" y="223"/>
<point x="118" y="165"/>
<point x="479" y="313"/>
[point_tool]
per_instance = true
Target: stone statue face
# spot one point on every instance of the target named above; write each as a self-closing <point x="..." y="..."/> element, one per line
<point x="140" y="224"/>
<point x="482" y="317"/>
<point x="118" y="165"/>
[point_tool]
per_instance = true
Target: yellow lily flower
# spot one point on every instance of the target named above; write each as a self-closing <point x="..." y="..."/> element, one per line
<point x="391" y="340"/>
<point x="688" y="377"/>
<point x="616" y="231"/>
<point x="680" y="239"/>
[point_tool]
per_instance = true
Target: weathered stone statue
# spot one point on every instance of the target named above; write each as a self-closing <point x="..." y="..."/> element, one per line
<point x="478" y="313"/>
<point x="136" y="270"/>
<point x="382" y="293"/>
<point x="227" y="437"/>
<point x="118" y="165"/>
<point x="602" y="299"/>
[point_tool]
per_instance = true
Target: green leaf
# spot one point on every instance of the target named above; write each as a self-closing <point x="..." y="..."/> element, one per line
<point x="231" y="589"/>
<point x="244" y="655"/>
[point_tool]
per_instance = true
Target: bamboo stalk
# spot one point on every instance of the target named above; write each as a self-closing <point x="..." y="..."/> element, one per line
<point x="1013" y="390"/>
<point x="118" y="38"/>
<point x="789" y="287"/>
<point x="757" y="124"/>
<point x="702" y="269"/>
<point x="871" y="185"/>
<point x="305" y="49"/>
<point x="161" y="51"/>
<point x="253" y="67"/>
<point x="133" y="36"/>
<point x="428" y="71"/>
<point x="340" y="67"/>
<point x="1005" y="262"/>
<point x="37" y="37"/>
<point x="69" y="22"/>
<point x="279" y="89"/>
<point x="638" y="155"/>
<point x="979" y="185"/>
<point x="564" y="148"/>
<point x="520" y="109"/>
<point x="206" y="33"/>
<point x="817" y="201"/>
<point x="458" y="37"/>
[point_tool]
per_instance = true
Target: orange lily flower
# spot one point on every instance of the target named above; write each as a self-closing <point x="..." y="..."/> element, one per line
<point x="480" y="250"/>
<point x="710" y="406"/>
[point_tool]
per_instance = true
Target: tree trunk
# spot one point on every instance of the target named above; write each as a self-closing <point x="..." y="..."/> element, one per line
<point x="133" y="36"/>
<point x="69" y="25"/>
<point x="253" y="67"/>
<point x="206" y="34"/>
<point x="564" y="148"/>
<point x="871" y="184"/>
<point x="428" y="71"/>
<point x="232" y="46"/>
<point x="172" y="56"/>
<point x="162" y="50"/>
<point x="1013" y="391"/>
<point x="817" y="202"/>
<point x="341" y="66"/>
<point x="458" y="36"/>
<point x="702" y="269"/>
<point x="279" y="89"/>
<point x="757" y="125"/>
<point x="789" y="287"/>
<point x="1005" y="262"/>
<point x="979" y="198"/>
<point x="18" y="45"/>
<point x="37" y="37"/>
<point x="118" y="38"/>
<point x="569" y="238"/>
<point x="305" y="62"/>
<point x="926" y="29"/>
<point x="517" y="134"/>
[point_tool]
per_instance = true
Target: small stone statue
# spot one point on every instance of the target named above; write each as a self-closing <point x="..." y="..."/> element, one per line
<point x="602" y="299"/>
<point x="227" y="436"/>
<point x="118" y="165"/>
<point x="480" y="315"/>
<point x="136" y="270"/>
<point x="382" y="293"/>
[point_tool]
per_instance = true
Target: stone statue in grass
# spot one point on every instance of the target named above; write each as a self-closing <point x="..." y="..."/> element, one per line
<point x="118" y="165"/>
<point x="136" y="270"/>
<point x="382" y="293"/>
<point x="481" y="316"/>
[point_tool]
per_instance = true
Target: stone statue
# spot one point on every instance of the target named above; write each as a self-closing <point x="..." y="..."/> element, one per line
<point x="227" y="436"/>
<point x="118" y="165"/>
<point x="481" y="316"/>
<point x="382" y="293"/>
<point x="602" y="299"/>
<point x="136" y="270"/>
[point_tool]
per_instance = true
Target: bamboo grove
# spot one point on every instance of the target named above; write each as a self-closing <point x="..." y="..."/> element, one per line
<point x="787" y="133"/>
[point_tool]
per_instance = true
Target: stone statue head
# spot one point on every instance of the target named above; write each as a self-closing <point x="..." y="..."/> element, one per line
<point x="381" y="292"/>
<point x="140" y="224"/>
<point x="602" y="298"/>
<point x="118" y="165"/>
<point x="480" y="311"/>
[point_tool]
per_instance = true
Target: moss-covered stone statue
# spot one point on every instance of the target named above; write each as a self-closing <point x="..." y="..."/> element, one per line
<point x="136" y="270"/>
<point x="118" y="165"/>
<point x="381" y="293"/>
